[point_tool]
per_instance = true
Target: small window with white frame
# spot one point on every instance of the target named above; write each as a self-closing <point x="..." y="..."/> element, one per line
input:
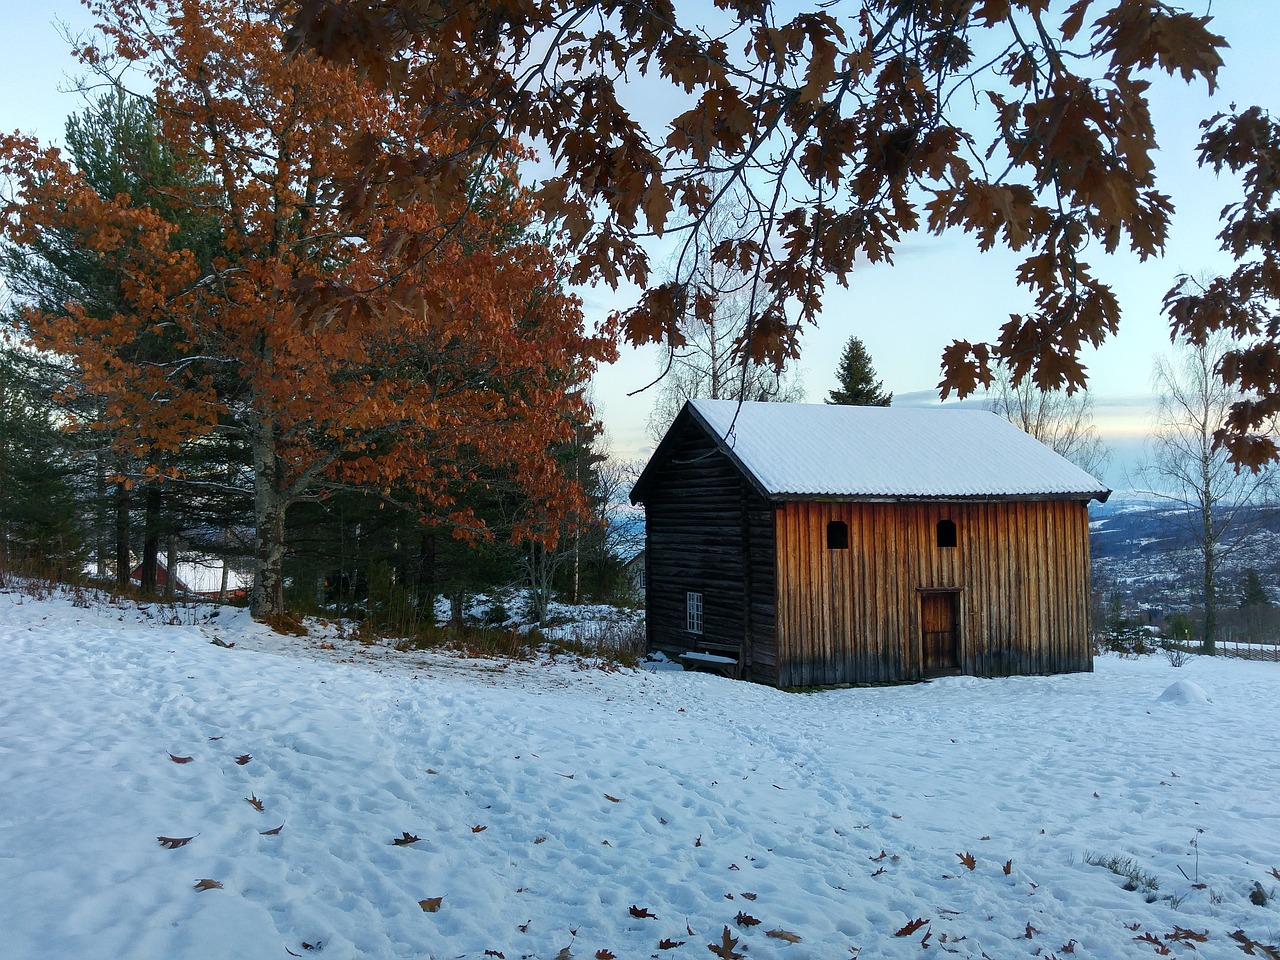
<point x="693" y="612"/>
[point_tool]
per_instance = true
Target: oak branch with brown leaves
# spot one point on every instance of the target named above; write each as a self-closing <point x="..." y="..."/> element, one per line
<point x="341" y="349"/>
<point x="847" y="126"/>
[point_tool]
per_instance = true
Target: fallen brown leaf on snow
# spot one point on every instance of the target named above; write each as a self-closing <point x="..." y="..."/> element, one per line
<point x="253" y="801"/>
<point x="431" y="904"/>
<point x="244" y="758"/>
<point x="180" y="759"/>
<point x="208" y="885"/>
<point x="786" y="935"/>
<point x="272" y="832"/>
<point x="724" y="949"/>
<point x="173" y="843"/>
<point x="405" y="839"/>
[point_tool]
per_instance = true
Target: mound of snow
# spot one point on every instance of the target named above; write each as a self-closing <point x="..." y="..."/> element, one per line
<point x="1184" y="692"/>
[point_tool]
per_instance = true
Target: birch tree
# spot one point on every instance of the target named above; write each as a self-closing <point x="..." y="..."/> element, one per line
<point x="1210" y="499"/>
<point x="1062" y="422"/>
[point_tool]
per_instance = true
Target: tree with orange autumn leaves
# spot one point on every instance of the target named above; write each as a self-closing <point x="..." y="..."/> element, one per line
<point x="445" y="350"/>
<point x="848" y="125"/>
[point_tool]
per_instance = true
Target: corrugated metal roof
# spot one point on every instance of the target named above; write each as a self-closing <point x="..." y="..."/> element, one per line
<point x="803" y="450"/>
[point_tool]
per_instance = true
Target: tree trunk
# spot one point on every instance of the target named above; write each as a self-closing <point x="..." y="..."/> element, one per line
<point x="425" y="581"/>
<point x="171" y="566"/>
<point x="123" y="565"/>
<point x="101" y="519"/>
<point x="269" y="509"/>
<point x="226" y="572"/>
<point x="150" y="540"/>
<point x="1209" y="543"/>
<point x="1210" y="604"/>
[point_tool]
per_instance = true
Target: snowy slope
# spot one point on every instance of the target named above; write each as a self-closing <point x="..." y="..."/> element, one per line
<point x="552" y="798"/>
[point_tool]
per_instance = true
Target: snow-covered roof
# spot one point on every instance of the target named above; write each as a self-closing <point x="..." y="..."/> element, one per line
<point x="822" y="450"/>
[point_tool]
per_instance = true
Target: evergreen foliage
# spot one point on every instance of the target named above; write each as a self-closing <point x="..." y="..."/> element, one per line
<point x="858" y="384"/>
<point x="1252" y="592"/>
<point x="42" y="527"/>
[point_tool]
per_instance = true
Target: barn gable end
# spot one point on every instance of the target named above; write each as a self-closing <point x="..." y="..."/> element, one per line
<point x="709" y="533"/>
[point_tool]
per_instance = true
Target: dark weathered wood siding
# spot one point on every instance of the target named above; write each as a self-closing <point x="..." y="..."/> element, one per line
<point x="709" y="531"/>
<point x="854" y="615"/>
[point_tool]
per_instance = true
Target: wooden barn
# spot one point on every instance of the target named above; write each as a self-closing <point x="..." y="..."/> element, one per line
<point x="809" y="544"/>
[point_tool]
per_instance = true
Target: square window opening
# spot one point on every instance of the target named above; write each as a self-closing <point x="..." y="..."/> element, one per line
<point x="837" y="535"/>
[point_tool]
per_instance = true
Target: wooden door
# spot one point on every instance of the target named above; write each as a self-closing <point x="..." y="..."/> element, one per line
<point x="940" y="631"/>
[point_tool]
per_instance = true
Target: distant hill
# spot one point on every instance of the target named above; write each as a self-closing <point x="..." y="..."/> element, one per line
<point x="1140" y="548"/>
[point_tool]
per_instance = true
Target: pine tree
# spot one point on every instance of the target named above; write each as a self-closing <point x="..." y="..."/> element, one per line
<point x="858" y="384"/>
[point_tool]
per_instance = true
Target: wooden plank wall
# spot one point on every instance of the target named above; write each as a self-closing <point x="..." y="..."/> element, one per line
<point x="707" y="530"/>
<point x="852" y="616"/>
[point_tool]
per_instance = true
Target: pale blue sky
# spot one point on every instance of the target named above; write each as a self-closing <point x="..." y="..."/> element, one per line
<point x="939" y="289"/>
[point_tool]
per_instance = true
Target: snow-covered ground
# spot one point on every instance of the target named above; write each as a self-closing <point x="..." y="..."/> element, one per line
<point x="564" y="810"/>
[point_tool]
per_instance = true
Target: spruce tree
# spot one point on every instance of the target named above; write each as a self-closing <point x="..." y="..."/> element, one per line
<point x="858" y="384"/>
<point x="1252" y="592"/>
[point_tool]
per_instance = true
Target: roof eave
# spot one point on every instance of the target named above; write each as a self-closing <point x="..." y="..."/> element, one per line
<point x="1085" y="495"/>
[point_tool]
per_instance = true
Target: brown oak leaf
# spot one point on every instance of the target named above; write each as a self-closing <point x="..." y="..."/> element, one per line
<point x="668" y="944"/>
<point x="911" y="927"/>
<point x="405" y="839"/>
<point x="745" y="920"/>
<point x="642" y="912"/>
<point x="244" y="758"/>
<point x="967" y="860"/>
<point x="1008" y="867"/>
<point x="208" y="885"/>
<point x="612" y="799"/>
<point x="724" y="949"/>
<point x="1155" y="943"/>
<point x="180" y="759"/>
<point x="254" y="802"/>
<point x="786" y="935"/>
<point x="431" y="904"/>
<point x="173" y="843"/>
<point x="272" y="832"/>
<point x="478" y="829"/>
<point x="603" y="954"/>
